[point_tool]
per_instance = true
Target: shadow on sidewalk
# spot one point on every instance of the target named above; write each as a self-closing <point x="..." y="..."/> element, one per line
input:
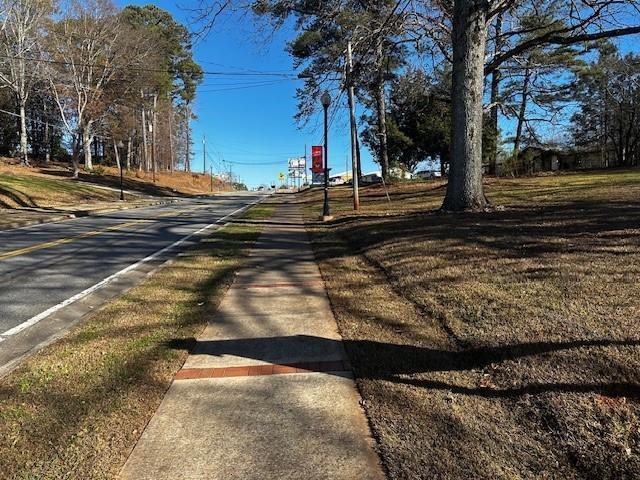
<point x="392" y="362"/>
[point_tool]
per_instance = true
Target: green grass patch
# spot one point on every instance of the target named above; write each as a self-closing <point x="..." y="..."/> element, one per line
<point x="77" y="407"/>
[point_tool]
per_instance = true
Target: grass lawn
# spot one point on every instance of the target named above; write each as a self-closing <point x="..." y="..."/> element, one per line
<point x="493" y="345"/>
<point x="77" y="408"/>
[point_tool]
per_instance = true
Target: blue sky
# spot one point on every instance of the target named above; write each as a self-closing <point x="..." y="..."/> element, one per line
<point x="249" y="124"/>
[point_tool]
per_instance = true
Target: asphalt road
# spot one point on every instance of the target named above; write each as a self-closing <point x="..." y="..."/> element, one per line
<point x="44" y="265"/>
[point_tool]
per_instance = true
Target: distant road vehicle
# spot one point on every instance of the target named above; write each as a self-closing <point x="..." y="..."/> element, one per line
<point x="429" y="174"/>
<point x="371" y="178"/>
<point x="334" y="181"/>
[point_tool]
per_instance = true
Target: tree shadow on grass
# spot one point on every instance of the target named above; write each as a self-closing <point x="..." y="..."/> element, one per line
<point x="19" y="198"/>
<point x="581" y="227"/>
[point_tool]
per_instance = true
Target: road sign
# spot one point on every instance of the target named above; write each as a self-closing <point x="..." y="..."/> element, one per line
<point x="281" y="176"/>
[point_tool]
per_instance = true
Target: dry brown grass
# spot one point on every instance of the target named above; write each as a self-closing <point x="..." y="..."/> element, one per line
<point x="494" y="345"/>
<point x="32" y="191"/>
<point x="76" y="409"/>
<point x="54" y="179"/>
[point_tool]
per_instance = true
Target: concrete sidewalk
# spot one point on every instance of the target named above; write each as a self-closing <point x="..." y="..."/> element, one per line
<point x="267" y="392"/>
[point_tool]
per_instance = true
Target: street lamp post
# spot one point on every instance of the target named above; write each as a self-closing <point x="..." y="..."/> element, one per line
<point x="326" y="101"/>
<point x="120" y="146"/>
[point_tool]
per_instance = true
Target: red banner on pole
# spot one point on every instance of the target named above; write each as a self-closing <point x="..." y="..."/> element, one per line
<point x="317" y="165"/>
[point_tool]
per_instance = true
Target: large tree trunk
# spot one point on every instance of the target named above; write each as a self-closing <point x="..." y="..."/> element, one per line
<point x="464" y="190"/>
<point x="87" y="138"/>
<point x="381" y="108"/>
<point x="24" y="159"/>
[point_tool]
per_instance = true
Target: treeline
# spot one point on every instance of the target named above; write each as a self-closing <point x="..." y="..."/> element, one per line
<point x="443" y="79"/>
<point x="85" y="80"/>
<point x="583" y="101"/>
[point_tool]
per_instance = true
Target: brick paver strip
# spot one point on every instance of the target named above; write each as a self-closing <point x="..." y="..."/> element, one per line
<point x="277" y="285"/>
<point x="256" y="370"/>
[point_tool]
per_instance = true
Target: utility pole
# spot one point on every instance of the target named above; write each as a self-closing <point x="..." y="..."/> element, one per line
<point x="346" y="165"/>
<point x="204" y="155"/>
<point x="153" y="135"/>
<point x="355" y="154"/>
<point x="306" y="177"/>
<point x="144" y="134"/>
<point x="358" y="157"/>
<point x="187" y="160"/>
<point x="171" y="136"/>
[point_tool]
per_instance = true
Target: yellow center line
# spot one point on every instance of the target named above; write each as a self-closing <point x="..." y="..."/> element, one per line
<point x="62" y="241"/>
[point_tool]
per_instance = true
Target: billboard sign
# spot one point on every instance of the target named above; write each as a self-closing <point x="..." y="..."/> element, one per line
<point x="297" y="163"/>
<point x="317" y="165"/>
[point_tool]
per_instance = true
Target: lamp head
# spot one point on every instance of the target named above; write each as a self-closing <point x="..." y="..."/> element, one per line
<point x="325" y="99"/>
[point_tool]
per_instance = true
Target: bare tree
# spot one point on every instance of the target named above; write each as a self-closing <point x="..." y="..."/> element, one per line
<point x="21" y="37"/>
<point x="88" y="53"/>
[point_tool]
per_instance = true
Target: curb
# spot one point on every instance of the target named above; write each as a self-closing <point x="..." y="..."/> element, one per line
<point x="82" y="213"/>
<point x="26" y="223"/>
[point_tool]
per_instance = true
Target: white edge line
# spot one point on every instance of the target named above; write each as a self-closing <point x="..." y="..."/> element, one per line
<point x="35" y="319"/>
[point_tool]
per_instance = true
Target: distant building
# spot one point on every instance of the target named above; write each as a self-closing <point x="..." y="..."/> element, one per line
<point x="538" y="159"/>
<point x="372" y="177"/>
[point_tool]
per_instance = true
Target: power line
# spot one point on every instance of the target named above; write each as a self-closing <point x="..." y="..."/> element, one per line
<point x="291" y="75"/>
<point x="255" y="164"/>
<point x="256" y="85"/>
<point x="241" y="68"/>
<point x="52" y="125"/>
